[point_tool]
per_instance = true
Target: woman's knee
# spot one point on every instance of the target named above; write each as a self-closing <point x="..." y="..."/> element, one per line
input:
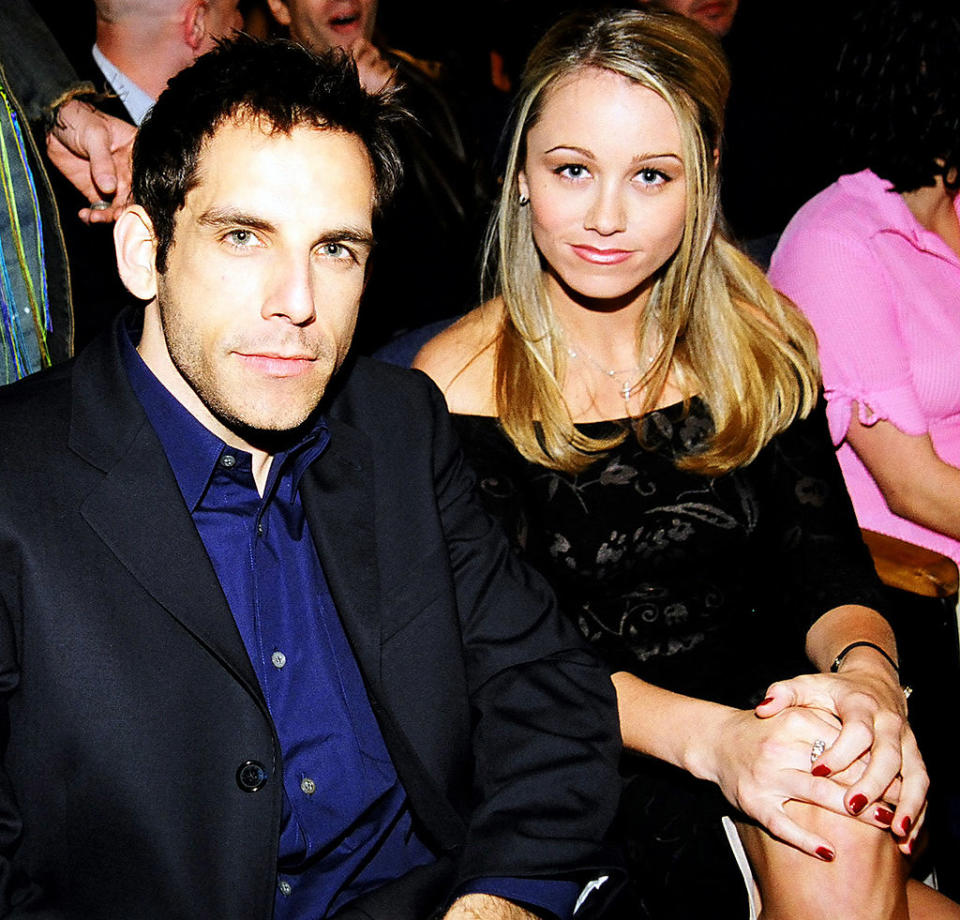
<point x="865" y="879"/>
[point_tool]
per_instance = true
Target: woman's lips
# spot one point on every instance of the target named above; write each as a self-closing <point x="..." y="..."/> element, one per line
<point x="601" y="256"/>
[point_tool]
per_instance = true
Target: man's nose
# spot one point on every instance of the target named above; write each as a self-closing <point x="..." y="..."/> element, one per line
<point x="291" y="292"/>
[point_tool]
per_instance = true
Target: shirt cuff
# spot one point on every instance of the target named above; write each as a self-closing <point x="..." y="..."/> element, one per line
<point x="553" y="899"/>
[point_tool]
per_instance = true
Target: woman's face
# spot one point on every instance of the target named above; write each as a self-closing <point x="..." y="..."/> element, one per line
<point x="604" y="173"/>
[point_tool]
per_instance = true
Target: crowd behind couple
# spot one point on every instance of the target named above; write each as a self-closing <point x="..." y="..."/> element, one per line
<point x="279" y="636"/>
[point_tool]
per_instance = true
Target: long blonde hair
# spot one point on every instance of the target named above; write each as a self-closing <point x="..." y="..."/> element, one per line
<point x="725" y="332"/>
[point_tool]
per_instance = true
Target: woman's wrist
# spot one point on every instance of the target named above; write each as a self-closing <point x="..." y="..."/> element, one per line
<point x="856" y="649"/>
<point x="868" y="659"/>
<point x="703" y="753"/>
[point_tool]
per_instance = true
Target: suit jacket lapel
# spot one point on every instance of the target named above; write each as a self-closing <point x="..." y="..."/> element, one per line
<point x="337" y="494"/>
<point x="139" y="513"/>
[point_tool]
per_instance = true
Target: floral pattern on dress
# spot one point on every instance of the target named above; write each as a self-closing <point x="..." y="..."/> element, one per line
<point x="674" y="575"/>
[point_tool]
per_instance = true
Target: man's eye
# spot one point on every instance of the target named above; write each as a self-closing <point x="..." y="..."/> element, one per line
<point x="336" y="251"/>
<point x="242" y="239"/>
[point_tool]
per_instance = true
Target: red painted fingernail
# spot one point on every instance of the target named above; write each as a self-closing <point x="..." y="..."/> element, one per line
<point x="907" y="824"/>
<point x="883" y="815"/>
<point x="769" y="699"/>
<point x="857" y="803"/>
<point x="825" y="854"/>
<point x="820" y="770"/>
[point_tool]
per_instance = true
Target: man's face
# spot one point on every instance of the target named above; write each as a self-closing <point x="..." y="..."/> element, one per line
<point x="222" y="17"/>
<point x="324" y="24"/>
<point x="714" y="15"/>
<point x="259" y="299"/>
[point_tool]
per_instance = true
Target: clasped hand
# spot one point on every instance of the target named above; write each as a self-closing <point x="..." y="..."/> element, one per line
<point x="870" y="769"/>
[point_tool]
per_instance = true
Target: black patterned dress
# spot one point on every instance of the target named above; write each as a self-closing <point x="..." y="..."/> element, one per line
<point x="704" y="586"/>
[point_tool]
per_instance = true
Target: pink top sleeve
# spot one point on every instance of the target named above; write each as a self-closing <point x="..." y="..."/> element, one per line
<point x="844" y="289"/>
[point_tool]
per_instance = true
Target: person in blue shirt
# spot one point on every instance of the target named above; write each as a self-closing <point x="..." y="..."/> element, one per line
<point x="261" y="652"/>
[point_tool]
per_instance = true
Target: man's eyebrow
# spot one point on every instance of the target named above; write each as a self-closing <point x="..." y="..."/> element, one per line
<point x="234" y="217"/>
<point x="224" y="217"/>
<point x="346" y="235"/>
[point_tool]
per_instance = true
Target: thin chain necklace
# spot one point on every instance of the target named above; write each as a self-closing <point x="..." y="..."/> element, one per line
<point x="621" y="377"/>
<point x="627" y="389"/>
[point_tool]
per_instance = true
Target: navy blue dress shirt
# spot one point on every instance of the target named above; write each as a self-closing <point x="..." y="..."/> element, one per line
<point x="346" y="825"/>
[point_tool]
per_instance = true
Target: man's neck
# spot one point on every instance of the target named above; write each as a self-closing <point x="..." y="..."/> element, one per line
<point x="147" y="57"/>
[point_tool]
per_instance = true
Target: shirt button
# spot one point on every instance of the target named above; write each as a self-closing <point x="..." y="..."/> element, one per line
<point x="278" y="659"/>
<point x="228" y="460"/>
<point x="285" y="888"/>
<point x="308" y="786"/>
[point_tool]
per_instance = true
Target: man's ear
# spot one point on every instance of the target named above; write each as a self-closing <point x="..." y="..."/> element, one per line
<point x="194" y="23"/>
<point x="136" y="247"/>
<point x="281" y="12"/>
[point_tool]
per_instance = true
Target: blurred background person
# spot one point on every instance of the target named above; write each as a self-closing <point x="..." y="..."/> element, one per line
<point x="874" y="262"/>
<point x="139" y="45"/>
<point x="716" y="16"/>
<point x="40" y="91"/>
<point x="425" y="264"/>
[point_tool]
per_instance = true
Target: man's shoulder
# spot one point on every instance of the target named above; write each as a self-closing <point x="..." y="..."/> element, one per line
<point x="35" y="418"/>
<point x="369" y="393"/>
<point x="40" y="396"/>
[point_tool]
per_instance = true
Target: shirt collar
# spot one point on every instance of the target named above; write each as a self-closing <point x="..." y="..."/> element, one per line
<point x="192" y="450"/>
<point x="135" y="100"/>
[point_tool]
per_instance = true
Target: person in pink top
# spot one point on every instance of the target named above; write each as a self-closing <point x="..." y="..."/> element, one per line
<point x="874" y="262"/>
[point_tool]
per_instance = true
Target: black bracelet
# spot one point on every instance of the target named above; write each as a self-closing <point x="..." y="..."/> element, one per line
<point x="839" y="659"/>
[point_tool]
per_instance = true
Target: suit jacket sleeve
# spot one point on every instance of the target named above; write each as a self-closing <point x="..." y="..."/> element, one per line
<point x="546" y="735"/>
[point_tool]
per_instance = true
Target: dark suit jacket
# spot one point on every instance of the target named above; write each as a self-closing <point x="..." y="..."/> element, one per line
<point x="131" y="704"/>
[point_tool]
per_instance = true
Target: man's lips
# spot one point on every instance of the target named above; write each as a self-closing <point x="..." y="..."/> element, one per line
<point x="344" y="23"/>
<point x="277" y="365"/>
<point x="601" y="256"/>
<point x="714" y="8"/>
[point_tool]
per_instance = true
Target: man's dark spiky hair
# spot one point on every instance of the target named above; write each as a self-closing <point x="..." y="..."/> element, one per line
<point x="277" y="83"/>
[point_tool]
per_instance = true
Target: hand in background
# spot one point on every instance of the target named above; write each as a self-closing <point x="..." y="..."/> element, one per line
<point x="375" y="71"/>
<point x="93" y="150"/>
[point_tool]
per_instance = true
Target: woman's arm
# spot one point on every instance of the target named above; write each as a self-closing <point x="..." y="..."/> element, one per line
<point x="915" y="482"/>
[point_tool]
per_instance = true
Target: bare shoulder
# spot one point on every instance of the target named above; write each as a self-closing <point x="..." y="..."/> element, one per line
<point x="461" y="360"/>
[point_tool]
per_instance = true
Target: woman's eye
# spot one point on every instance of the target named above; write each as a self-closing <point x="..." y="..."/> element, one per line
<point x="572" y="171"/>
<point x="652" y="177"/>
